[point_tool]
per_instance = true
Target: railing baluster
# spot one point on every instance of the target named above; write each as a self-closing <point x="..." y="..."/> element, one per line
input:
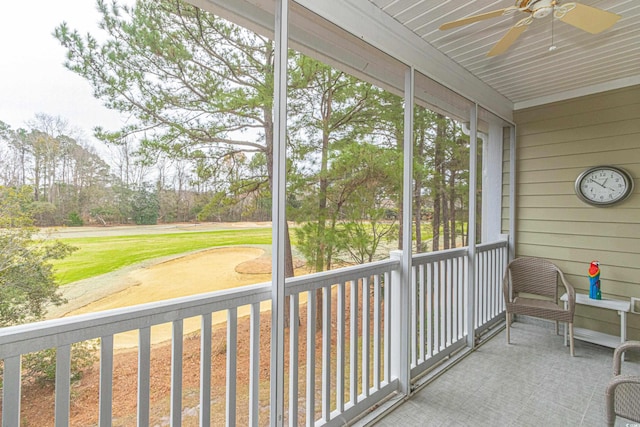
<point x="311" y="359"/>
<point x="437" y="307"/>
<point x="353" y="345"/>
<point x="340" y="344"/>
<point x="478" y="287"/>
<point x="449" y="285"/>
<point x="485" y="288"/>
<point x="254" y="364"/>
<point x="366" y="337"/>
<point x="376" y="332"/>
<point x="430" y="308"/>
<point x="498" y="281"/>
<point x="232" y="349"/>
<point x="485" y="285"/>
<point x="387" y="332"/>
<point x="462" y="296"/>
<point x="326" y="353"/>
<point x="422" y="319"/>
<point x="176" y="373"/>
<point x="11" y="391"/>
<point x="144" y="375"/>
<point x="478" y="290"/>
<point x="63" y="385"/>
<point x="442" y="278"/>
<point x="455" y="299"/>
<point x="503" y="265"/>
<point x="444" y="302"/>
<point x="294" y="315"/>
<point x="494" y="281"/>
<point x="414" y="319"/>
<point x="487" y="293"/>
<point x="106" y="380"/>
<point x="205" y="370"/>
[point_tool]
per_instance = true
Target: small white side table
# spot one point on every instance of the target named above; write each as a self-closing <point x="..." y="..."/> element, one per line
<point x="622" y="307"/>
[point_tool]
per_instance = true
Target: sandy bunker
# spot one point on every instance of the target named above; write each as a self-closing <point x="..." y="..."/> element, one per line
<point x="205" y="271"/>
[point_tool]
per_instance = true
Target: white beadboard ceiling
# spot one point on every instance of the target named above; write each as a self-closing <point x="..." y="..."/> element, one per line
<point x="529" y="73"/>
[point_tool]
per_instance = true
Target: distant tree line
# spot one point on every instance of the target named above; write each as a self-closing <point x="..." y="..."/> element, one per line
<point x="72" y="185"/>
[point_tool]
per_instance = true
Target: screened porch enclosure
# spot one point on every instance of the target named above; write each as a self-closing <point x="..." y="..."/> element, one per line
<point x="386" y="325"/>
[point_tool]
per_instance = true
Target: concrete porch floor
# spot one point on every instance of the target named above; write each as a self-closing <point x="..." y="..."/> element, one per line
<point x="532" y="382"/>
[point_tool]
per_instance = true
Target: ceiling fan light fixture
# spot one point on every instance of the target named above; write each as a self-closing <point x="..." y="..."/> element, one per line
<point x="538" y="8"/>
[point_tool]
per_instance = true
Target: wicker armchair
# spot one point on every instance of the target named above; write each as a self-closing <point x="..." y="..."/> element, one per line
<point x="623" y="391"/>
<point x="530" y="288"/>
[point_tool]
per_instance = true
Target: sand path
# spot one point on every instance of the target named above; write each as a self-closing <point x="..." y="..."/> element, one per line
<point x="205" y="271"/>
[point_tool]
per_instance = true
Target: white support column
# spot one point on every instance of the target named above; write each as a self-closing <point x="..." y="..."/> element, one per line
<point x="492" y="154"/>
<point x="278" y="213"/>
<point x="512" y="193"/>
<point x="471" y="260"/>
<point x="400" y="367"/>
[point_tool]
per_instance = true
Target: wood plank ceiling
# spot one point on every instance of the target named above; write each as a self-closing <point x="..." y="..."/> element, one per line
<point x="529" y="72"/>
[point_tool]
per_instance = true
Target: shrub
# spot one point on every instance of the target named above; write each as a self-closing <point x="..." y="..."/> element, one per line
<point x="74" y="220"/>
<point x="40" y="366"/>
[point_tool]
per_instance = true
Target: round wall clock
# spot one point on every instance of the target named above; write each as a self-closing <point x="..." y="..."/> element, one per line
<point x="604" y="185"/>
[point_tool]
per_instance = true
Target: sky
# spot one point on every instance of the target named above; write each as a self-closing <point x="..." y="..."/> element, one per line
<point x="33" y="78"/>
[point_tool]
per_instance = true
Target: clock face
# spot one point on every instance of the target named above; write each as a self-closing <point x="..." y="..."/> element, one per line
<point x="604" y="185"/>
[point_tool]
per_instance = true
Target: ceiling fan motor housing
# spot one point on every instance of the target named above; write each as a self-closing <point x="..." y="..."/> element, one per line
<point x="537" y="8"/>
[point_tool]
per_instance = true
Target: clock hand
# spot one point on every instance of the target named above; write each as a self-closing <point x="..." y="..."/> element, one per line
<point x="601" y="185"/>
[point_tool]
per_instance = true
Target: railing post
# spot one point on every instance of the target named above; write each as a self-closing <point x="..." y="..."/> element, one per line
<point x="471" y="259"/>
<point x="399" y="345"/>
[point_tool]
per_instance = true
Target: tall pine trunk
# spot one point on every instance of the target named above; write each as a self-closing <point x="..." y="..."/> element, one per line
<point x="321" y="255"/>
<point x="452" y="205"/>
<point x="438" y="180"/>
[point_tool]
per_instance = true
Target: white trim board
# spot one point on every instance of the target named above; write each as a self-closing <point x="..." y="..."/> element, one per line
<point x="576" y="93"/>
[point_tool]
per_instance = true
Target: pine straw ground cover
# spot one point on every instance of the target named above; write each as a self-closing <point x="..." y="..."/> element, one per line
<point x="38" y="400"/>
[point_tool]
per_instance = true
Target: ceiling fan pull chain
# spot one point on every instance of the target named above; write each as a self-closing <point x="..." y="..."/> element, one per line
<point x="553" y="45"/>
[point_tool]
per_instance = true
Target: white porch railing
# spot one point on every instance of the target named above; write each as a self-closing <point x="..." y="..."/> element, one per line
<point x="491" y="263"/>
<point x="337" y="370"/>
<point x="437" y="306"/>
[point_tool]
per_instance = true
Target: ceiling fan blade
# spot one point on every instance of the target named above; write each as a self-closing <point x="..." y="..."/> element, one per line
<point x="475" y="18"/>
<point x="508" y="39"/>
<point x="587" y="18"/>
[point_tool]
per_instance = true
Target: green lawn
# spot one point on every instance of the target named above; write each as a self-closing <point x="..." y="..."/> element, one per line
<point x="99" y="255"/>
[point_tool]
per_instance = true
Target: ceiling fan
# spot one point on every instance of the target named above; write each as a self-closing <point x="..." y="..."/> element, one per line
<point x="586" y="18"/>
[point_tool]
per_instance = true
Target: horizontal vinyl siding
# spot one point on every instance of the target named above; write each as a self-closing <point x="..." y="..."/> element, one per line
<point x="556" y="142"/>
